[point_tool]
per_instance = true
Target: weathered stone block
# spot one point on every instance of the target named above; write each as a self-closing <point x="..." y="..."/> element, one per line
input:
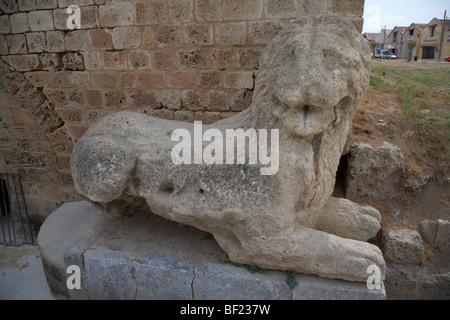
<point x="46" y="4"/>
<point x="428" y="230"/>
<point x="403" y="246"/>
<point x="27" y="62"/>
<point x="241" y="100"/>
<point x="442" y="239"/>
<point x="184" y="115"/>
<point x="93" y="60"/>
<point x="41" y="20"/>
<point x="73" y="61"/>
<point x="233" y="283"/>
<point x="166" y="59"/>
<point x="61" y="80"/>
<point x="163" y="278"/>
<point x="193" y="101"/>
<point x="101" y="39"/>
<point x="346" y="8"/>
<point x="5" y="27"/>
<point x="80" y="79"/>
<point x="51" y="61"/>
<point x="110" y="274"/>
<point x="27" y="5"/>
<point x="208" y="10"/>
<point x="262" y="32"/>
<point x="89" y="17"/>
<point x="242" y="9"/>
<point x="198" y="34"/>
<point x="223" y="59"/>
<point x="115" y="60"/>
<point x="153" y="79"/>
<point x="238" y="80"/>
<point x="181" y="10"/>
<point x="94" y="98"/>
<point x="249" y="58"/>
<point x="374" y="172"/>
<point x="39" y="78"/>
<point x="77" y="40"/>
<point x="3" y="45"/>
<point x="105" y="80"/>
<point x="126" y="37"/>
<point x="19" y="23"/>
<point x="218" y="101"/>
<point x="117" y="14"/>
<point x="194" y="58"/>
<point x="210" y="79"/>
<point x="230" y="34"/>
<point x="55" y="41"/>
<point x="314" y="288"/>
<point x="144" y="100"/>
<point x="60" y="17"/>
<point x="169" y="35"/>
<point x="148" y="38"/>
<point x="17" y="43"/>
<point x="280" y="8"/>
<point x="305" y="7"/>
<point x="152" y="12"/>
<point x="140" y="59"/>
<point x="182" y="79"/>
<point x="170" y="99"/>
<point x="36" y="42"/>
<point x="115" y="98"/>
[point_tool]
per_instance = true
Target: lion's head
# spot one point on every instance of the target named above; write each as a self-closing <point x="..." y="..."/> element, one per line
<point x="316" y="70"/>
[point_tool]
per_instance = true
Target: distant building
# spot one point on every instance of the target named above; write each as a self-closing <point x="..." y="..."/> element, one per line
<point x="411" y="35"/>
<point x="381" y="40"/>
<point x="431" y="40"/>
<point x="395" y="40"/>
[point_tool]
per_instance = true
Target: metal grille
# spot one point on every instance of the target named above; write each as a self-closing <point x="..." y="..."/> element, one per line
<point x="15" y="226"/>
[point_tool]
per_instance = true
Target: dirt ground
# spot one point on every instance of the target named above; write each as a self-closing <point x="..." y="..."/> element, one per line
<point x="424" y="64"/>
<point x="424" y="157"/>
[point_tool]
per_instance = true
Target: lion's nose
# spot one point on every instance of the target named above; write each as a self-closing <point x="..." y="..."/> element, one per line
<point x="317" y="86"/>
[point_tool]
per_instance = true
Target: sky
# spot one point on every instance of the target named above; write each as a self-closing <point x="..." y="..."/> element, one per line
<point x="391" y="13"/>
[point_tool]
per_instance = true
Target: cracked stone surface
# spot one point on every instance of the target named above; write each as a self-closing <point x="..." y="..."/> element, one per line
<point x="147" y="257"/>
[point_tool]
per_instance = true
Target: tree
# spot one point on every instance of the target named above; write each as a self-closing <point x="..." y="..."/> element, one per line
<point x="411" y="47"/>
<point x="374" y="45"/>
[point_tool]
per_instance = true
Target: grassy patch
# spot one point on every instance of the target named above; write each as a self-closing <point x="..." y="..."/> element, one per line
<point x="424" y="96"/>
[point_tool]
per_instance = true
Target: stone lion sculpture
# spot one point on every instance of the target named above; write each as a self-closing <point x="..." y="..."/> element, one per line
<point x="312" y="78"/>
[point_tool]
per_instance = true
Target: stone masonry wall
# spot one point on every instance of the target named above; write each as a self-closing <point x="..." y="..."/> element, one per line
<point x="174" y="59"/>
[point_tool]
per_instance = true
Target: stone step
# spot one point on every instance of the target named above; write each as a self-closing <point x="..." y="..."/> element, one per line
<point x="147" y="257"/>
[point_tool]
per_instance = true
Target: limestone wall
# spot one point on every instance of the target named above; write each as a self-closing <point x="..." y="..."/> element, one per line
<point x="174" y="59"/>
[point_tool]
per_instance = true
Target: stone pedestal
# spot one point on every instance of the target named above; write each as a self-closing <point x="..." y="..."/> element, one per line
<point x="147" y="257"/>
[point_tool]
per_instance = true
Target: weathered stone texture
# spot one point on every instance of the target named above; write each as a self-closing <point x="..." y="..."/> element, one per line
<point x="374" y="172"/>
<point x="208" y="47"/>
<point x="126" y="157"/>
<point x="403" y="246"/>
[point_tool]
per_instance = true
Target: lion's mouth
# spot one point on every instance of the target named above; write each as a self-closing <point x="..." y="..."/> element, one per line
<point x="307" y="119"/>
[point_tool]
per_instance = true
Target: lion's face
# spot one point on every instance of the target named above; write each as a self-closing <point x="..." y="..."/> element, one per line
<point x="316" y="77"/>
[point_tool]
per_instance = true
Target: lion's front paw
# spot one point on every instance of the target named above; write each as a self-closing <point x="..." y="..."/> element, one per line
<point x="348" y="219"/>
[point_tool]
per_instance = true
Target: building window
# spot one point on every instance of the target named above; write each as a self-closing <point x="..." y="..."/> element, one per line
<point x="411" y="32"/>
<point x="432" y="31"/>
<point x="395" y="37"/>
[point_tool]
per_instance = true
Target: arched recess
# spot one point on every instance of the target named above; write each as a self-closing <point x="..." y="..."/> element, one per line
<point x="35" y="143"/>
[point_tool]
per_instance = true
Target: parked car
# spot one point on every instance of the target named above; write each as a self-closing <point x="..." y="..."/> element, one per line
<point x="447" y="59"/>
<point x="386" y="54"/>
